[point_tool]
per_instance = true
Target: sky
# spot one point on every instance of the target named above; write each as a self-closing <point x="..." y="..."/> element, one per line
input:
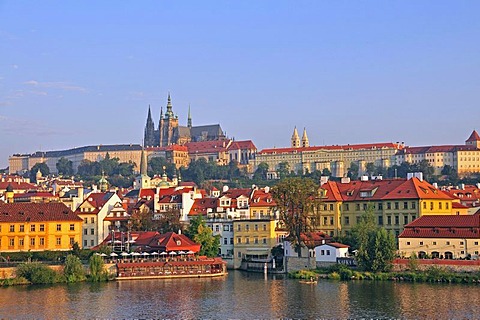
<point x="78" y="73"/>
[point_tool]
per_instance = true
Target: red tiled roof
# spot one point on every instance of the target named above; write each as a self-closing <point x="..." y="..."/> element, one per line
<point x="436" y="149"/>
<point x="36" y="212"/>
<point x="17" y="185"/>
<point x="439" y="226"/>
<point x="260" y="198"/>
<point x="34" y="194"/>
<point x="473" y="137"/>
<point x="242" y="145"/>
<point x="237" y="192"/>
<point x="213" y="146"/>
<point x="200" y="206"/>
<point x="338" y="245"/>
<point x="454" y="221"/>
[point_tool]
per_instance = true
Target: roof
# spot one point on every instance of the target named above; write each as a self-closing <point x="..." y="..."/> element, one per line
<point x="473" y="137"/>
<point x="96" y="200"/>
<point x="201" y="206"/>
<point x="212" y="131"/>
<point x="17" y="185"/>
<point x="439" y="226"/>
<point x="213" y="146"/>
<point x="36" y="212"/>
<point x="242" y="145"/>
<point x="386" y="189"/>
<point x="337" y="245"/>
<point x="97" y="148"/>
<point x="261" y="198"/>
<point x="436" y="149"/>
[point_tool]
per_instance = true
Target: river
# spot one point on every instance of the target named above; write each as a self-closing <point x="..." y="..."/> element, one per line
<point x="241" y="295"/>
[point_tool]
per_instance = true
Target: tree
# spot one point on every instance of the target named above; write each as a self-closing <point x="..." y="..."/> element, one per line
<point x="261" y="172"/>
<point x="283" y="169"/>
<point x="376" y="247"/>
<point x="97" y="270"/>
<point x="169" y="221"/>
<point x="73" y="269"/>
<point x="142" y="219"/>
<point x="200" y="233"/>
<point x="297" y="203"/>
<point x="370" y="168"/>
<point x="353" y="171"/>
<point x="42" y="166"/>
<point x="156" y="166"/>
<point x="64" y="167"/>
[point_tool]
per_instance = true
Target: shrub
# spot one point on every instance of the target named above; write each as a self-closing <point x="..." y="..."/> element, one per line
<point x="334" y="276"/>
<point x="37" y="273"/>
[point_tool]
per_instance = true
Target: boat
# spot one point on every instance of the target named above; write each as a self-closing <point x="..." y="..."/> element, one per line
<point x="308" y="281"/>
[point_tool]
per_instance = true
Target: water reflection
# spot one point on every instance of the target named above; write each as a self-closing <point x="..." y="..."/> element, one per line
<point x="241" y="296"/>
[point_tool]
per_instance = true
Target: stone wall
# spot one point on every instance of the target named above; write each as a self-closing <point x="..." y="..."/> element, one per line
<point x="295" y="263"/>
<point x="453" y="265"/>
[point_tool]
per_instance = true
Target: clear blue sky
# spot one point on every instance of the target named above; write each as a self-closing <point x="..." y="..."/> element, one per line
<point x="75" y="73"/>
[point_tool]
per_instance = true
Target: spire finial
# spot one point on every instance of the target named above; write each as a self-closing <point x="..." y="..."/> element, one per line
<point x="189" y="120"/>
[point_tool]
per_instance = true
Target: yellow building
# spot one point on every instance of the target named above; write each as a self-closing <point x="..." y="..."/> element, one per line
<point x="254" y="239"/>
<point x="394" y="202"/>
<point x="445" y="237"/>
<point x="38" y="226"/>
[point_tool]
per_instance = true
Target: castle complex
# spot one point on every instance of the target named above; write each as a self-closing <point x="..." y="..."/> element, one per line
<point x="170" y="132"/>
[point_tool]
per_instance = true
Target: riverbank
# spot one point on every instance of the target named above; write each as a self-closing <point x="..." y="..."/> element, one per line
<point x="433" y="274"/>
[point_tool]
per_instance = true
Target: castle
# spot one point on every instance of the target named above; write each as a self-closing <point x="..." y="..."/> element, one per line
<point x="169" y="132"/>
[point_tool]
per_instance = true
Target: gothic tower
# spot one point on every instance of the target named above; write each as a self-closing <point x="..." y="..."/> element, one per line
<point x="189" y="120"/>
<point x="295" y="139"/>
<point x="305" y="142"/>
<point x="149" y="136"/>
<point x="168" y="126"/>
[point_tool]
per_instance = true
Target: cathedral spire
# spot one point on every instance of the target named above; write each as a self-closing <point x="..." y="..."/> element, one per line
<point x="169" y="112"/>
<point x="295" y="139"/>
<point x="149" y="117"/>
<point x="305" y="142"/>
<point x="149" y="135"/>
<point x="189" y="120"/>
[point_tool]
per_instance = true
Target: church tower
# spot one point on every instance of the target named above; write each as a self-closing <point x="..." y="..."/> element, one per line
<point x="295" y="139"/>
<point x="189" y="120"/>
<point x="143" y="180"/>
<point x="149" y="136"/>
<point x="168" y="126"/>
<point x="305" y="142"/>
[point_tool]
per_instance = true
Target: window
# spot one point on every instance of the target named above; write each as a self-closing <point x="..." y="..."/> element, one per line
<point x="328" y="252"/>
<point x="20" y="242"/>
<point x="239" y="254"/>
<point x="85" y="231"/>
<point x="231" y="227"/>
<point x="85" y="243"/>
<point x="405" y="205"/>
<point x="72" y="241"/>
<point x="32" y="242"/>
<point x="42" y="241"/>
<point x="431" y="205"/>
<point x="389" y="220"/>
<point x="85" y="220"/>
<point x="92" y="231"/>
<point x="364" y="206"/>
<point x="231" y="240"/>
<point x="421" y="243"/>
<point x="322" y="252"/>
<point x="264" y="240"/>
<point x="239" y="228"/>
<point x="325" y="221"/>
<point x="72" y="227"/>
<point x="225" y="228"/>
<point x="58" y="241"/>
<point x="461" y="243"/>
<point x="217" y="228"/>
<point x="380" y="220"/>
<point x="408" y="243"/>
<point x="225" y="241"/>
<point x="59" y="227"/>
<point x="448" y="243"/>
<point x="331" y="207"/>
<point x="264" y="227"/>
<point x="255" y="240"/>
<point x="347" y="207"/>
<point x="11" y="242"/>
<point x="380" y="206"/>
<point x="396" y="206"/>
<point x="42" y="227"/>
<point x="476" y="243"/>
<point x="92" y="242"/>
<point x="440" y="205"/>
<point x="434" y="243"/>
<point x="347" y="220"/>
<point x="397" y="220"/>
<point x="331" y="221"/>
<point x="446" y="205"/>
<point x="92" y="220"/>
<point x="389" y="205"/>
<point x="12" y="228"/>
<point x="239" y="240"/>
<point x="247" y="240"/>
<point x="357" y="206"/>
<point x="414" y="206"/>
<point x="247" y="227"/>
<point x="424" y="205"/>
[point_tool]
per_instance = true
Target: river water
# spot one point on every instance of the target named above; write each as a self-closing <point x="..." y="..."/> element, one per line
<point x="241" y="295"/>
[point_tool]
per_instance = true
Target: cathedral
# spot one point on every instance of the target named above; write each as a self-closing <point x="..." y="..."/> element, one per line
<point x="169" y="132"/>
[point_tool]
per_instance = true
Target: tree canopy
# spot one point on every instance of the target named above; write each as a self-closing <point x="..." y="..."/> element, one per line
<point x="64" y="167"/>
<point x="297" y="203"/>
<point x="44" y="169"/>
<point x="199" y="232"/>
